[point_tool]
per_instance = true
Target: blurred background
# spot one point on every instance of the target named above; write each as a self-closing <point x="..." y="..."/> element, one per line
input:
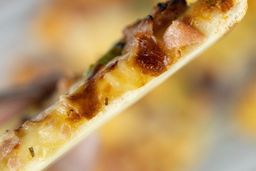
<point x="202" y="118"/>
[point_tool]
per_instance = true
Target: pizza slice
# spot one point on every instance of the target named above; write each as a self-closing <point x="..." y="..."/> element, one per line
<point x="151" y="50"/>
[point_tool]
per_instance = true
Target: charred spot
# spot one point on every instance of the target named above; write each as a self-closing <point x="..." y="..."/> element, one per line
<point x="85" y="101"/>
<point x="150" y="58"/>
<point x="166" y="12"/>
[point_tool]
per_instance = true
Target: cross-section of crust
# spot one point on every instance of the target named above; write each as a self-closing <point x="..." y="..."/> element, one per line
<point x="150" y="51"/>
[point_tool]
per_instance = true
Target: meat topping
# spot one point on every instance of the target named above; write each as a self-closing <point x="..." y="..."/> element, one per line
<point x="165" y="13"/>
<point x="180" y="34"/>
<point x="150" y="58"/>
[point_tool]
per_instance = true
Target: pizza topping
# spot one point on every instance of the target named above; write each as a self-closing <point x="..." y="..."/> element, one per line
<point x="140" y="42"/>
<point x="85" y="101"/>
<point x="144" y="36"/>
<point x="150" y="58"/>
<point x="156" y="23"/>
<point x="180" y="34"/>
<point x="31" y="151"/>
<point x="165" y="13"/>
<point x="222" y="5"/>
<point x="110" y="55"/>
<point x="144" y="26"/>
<point x="141" y="55"/>
<point x="161" y="17"/>
<point x="225" y="5"/>
<point x="8" y="142"/>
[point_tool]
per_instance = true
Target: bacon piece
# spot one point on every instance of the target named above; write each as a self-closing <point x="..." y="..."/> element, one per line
<point x="180" y="34"/>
